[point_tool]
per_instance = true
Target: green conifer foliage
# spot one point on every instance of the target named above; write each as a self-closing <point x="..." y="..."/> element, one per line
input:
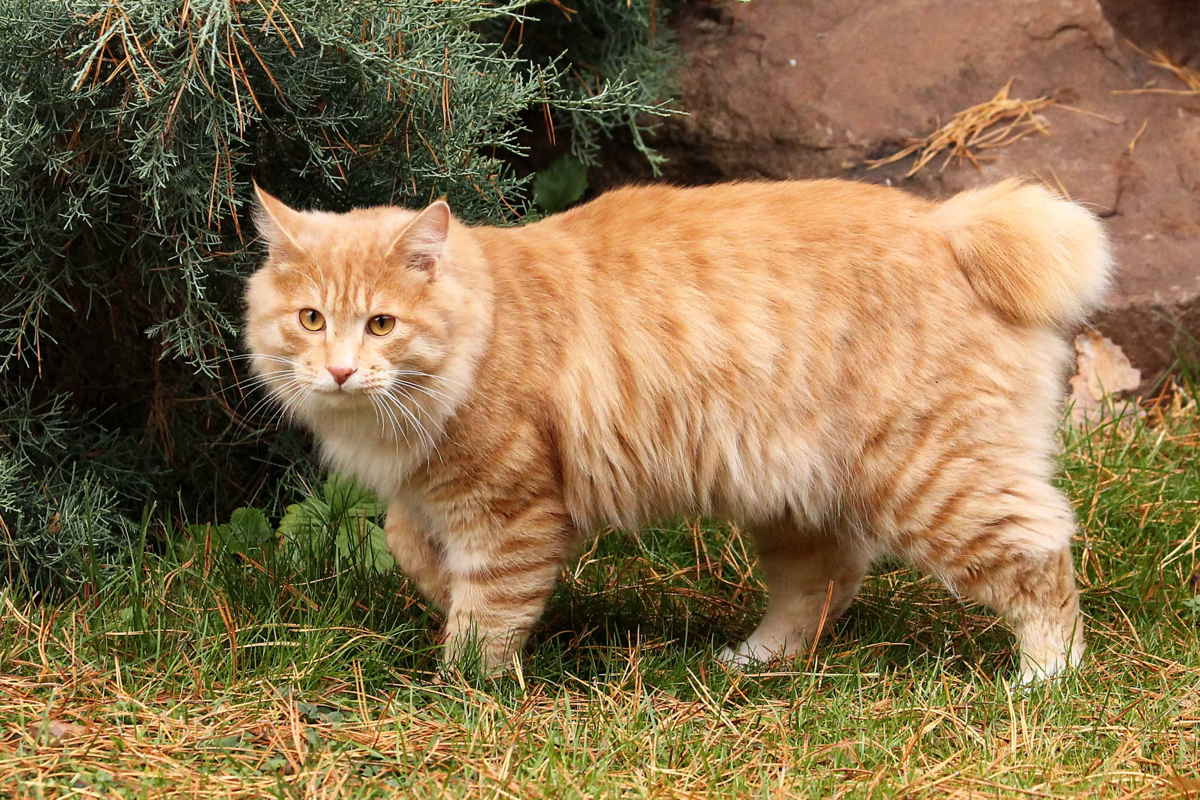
<point x="129" y="135"/>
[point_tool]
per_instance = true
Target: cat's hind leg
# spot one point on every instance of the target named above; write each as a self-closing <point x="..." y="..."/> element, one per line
<point x="1010" y="549"/>
<point x="803" y="571"/>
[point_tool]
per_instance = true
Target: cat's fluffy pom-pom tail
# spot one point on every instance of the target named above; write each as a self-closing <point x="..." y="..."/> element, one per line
<point x="1033" y="256"/>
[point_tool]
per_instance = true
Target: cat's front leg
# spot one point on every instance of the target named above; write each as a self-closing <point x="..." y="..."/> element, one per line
<point x="416" y="555"/>
<point x="500" y="576"/>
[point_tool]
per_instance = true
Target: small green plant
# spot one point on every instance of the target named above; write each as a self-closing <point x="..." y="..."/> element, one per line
<point x="340" y="523"/>
<point x="343" y="522"/>
<point x="247" y="533"/>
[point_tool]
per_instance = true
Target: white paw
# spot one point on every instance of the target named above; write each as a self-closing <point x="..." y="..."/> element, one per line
<point x="1034" y="671"/>
<point x="746" y="655"/>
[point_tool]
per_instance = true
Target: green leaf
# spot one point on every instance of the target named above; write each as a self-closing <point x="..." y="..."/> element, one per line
<point x="374" y="547"/>
<point x="560" y="184"/>
<point x="343" y="523"/>
<point x="300" y="519"/>
<point x="250" y="525"/>
<point x="315" y="713"/>
<point x="304" y="529"/>
<point x="345" y="497"/>
<point x="246" y="532"/>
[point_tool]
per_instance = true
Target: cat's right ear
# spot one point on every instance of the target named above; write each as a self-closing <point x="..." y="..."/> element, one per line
<point x="278" y="225"/>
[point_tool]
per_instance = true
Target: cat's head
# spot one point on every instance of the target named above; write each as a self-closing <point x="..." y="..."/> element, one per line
<point x="361" y="314"/>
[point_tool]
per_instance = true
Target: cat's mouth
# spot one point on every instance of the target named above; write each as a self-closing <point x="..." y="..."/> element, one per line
<point x="338" y="394"/>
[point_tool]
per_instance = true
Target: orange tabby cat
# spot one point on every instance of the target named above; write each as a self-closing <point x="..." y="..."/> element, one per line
<point x="843" y="369"/>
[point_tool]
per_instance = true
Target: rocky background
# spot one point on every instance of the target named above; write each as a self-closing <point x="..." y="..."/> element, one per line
<point x="817" y="88"/>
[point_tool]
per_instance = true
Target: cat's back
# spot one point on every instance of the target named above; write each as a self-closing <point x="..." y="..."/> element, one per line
<point x="834" y="238"/>
<point x="742" y="204"/>
<point x="740" y="215"/>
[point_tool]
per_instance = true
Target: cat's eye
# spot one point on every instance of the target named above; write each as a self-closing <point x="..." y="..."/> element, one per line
<point x="311" y="319"/>
<point x="381" y="324"/>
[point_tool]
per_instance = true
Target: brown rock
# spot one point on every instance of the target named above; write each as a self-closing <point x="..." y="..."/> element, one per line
<point x="786" y="89"/>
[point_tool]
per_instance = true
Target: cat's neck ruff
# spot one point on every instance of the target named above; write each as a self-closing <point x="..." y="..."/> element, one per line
<point x="369" y="448"/>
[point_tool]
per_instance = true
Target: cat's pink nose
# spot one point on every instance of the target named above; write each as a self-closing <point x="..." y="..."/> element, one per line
<point x="341" y="374"/>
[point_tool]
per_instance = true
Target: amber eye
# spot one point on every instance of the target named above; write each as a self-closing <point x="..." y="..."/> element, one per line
<point x="311" y="319"/>
<point x="381" y="324"/>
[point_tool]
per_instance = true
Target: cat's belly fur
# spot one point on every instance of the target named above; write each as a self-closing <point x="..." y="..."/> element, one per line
<point x="705" y="457"/>
<point x="820" y="455"/>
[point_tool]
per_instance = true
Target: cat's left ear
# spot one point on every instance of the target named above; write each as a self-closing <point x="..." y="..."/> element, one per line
<point x="423" y="243"/>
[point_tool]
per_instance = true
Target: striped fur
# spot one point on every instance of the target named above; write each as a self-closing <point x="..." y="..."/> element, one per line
<point x="844" y="369"/>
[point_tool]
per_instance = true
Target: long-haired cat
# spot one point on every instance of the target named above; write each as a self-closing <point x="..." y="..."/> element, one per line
<point x="843" y="369"/>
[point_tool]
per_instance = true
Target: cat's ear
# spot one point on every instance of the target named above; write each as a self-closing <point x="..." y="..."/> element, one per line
<point x="278" y="225"/>
<point x="422" y="243"/>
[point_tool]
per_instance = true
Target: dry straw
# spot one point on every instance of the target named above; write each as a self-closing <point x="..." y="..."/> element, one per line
<point x="975" y="129"/>
<point x="1189" y="78"/>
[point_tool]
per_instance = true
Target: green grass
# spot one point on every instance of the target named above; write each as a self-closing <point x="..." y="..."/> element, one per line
<point x="200" y="674"/>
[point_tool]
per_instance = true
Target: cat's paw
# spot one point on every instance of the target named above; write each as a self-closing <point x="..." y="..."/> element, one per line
<point x="1034" y="674"/>
<point x="745" y="656"/>
<point x="1050" y="668"/>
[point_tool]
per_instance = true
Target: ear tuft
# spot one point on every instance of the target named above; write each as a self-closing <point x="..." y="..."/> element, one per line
<point x="422" y="244"/>
<point x="277" y="224"/>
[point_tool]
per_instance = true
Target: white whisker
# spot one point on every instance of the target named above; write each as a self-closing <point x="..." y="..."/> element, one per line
<point x="277" y="394"/>
<point x="436" y="395"/>
<point x="286" y="403"/>
<point x="437" y="425"/>
<point x="257" y="381"/>
<point x="419" y="428"/>
<point x="396" y="427"/>
<point x="263" y="356"/>
<point x="384" y="423"/>
<point x="419" y="374"/>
